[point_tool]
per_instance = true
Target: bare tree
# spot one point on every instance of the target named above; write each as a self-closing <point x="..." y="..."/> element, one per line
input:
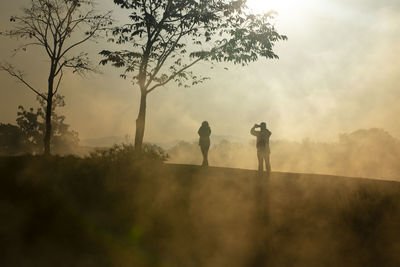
<point x="58" y="27"/>
<point x="169" y="37"/>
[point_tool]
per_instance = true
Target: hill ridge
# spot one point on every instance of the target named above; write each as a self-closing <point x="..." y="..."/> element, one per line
<point x="282" y="173"/>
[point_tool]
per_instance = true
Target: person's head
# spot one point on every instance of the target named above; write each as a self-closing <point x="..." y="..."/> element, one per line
<point x="205" y="124"/>
<point x="263" y="126"/>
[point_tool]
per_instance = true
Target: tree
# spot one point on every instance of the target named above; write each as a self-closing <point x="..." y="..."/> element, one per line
<point x="32" y="125"/>
<point x="168" y="37"/>
<point x="51" y="25"/>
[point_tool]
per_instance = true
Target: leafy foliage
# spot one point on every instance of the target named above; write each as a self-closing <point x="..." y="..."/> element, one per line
<point x="32" y="125"/>
<point x="168" y="37"/>
<point x="125" y="153"/>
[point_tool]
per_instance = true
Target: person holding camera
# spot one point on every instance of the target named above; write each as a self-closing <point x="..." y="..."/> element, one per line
<point x="204" y="141"/>
<point x="262" y="145"/>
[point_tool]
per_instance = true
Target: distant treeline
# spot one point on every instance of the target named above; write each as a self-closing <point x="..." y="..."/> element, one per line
<point x="365" y="153"/>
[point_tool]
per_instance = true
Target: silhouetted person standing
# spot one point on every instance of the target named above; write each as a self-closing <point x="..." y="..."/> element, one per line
<point x="204" y="141"/>
<point x="262" y="146"/>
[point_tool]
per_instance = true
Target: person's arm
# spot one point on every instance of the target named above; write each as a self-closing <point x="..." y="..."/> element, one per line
<point x="253" y="130"/>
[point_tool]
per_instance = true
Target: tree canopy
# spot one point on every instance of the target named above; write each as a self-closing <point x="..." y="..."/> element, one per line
<point x="168" y="37"/>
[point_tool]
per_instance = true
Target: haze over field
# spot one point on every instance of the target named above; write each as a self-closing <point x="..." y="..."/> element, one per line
<point x="79" y="187"/>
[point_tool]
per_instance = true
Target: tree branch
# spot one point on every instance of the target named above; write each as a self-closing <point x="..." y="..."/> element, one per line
<point x="58" y="83"/>
<point x="17" y="74"/>
<point x="174" y="75"/>
<point x="167" y="52"/>
<point x="89" y="36"/>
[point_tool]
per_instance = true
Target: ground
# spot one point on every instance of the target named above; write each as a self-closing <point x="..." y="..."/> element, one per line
<point x="67" y="211"/>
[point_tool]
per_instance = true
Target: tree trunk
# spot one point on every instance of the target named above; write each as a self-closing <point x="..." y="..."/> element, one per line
<point x="140" y="123"/>
<point x="47" y="135"/>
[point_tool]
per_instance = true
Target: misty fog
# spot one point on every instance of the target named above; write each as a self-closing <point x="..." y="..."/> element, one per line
<point x="370" y="153"/>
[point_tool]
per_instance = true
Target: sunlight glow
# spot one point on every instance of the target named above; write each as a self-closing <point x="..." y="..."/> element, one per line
<point x="262" y="6"/>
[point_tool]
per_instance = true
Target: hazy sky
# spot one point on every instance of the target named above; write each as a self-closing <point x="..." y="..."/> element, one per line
<point x="338" y="72"/>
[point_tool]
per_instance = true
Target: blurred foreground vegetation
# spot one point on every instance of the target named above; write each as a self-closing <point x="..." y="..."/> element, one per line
<point x="116" y="209"/>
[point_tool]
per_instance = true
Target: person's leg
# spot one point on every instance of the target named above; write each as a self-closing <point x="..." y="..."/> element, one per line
<point x="206" y="156"/>
<point x="260" y="160"/>
<point x="267" y="164"/>
<point x="204" y="151"/>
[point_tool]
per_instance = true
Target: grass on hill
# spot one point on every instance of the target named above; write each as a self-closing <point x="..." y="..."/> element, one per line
<point x="113" y="210"/>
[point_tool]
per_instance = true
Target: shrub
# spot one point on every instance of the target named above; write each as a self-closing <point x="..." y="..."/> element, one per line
<point x="126" y="153"/>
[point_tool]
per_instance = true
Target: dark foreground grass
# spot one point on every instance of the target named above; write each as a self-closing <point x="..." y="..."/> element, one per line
<point x="100" y="212"/>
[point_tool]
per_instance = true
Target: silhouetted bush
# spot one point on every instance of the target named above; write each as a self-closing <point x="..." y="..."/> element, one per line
<point x="126" y="153"/>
